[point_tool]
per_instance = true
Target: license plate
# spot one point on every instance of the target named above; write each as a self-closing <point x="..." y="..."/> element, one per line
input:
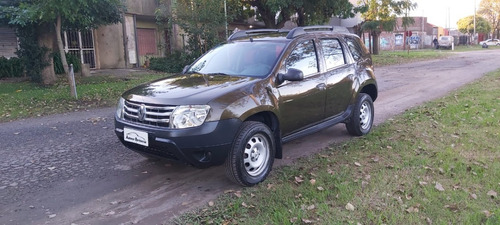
<point x="135" y="136"/>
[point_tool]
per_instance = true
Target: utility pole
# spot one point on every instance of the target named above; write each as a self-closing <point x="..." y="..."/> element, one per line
<point x="225" y="16"/>
<point x="474" y="35"/>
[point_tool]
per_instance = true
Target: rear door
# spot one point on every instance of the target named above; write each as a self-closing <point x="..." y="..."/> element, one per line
<point x="339" y="73"/>
<point x="302" y="103"/>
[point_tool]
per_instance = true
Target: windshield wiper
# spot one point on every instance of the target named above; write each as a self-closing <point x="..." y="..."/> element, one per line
<point x="214" y="74"/>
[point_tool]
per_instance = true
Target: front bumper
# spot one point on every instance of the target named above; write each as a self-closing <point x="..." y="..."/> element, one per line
<point x="203" y="146"/>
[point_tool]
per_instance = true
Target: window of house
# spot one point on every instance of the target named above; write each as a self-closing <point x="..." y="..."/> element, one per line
<point x="81" y="45"/>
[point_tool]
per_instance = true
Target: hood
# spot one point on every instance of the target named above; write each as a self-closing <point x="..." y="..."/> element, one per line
<point x="186" y="89"/>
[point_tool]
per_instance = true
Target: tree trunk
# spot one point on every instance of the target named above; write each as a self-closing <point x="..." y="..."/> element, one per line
<point x="266" y="15"/>
<point x="63" y="55"/>
<point x="301" y="20"/>
<point x="370" y="43"/>
<point x="284" y="17"/>
<point x="46" y="39"/>
<point x="375" y="43"/>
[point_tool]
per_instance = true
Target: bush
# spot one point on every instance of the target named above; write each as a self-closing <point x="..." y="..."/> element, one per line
<point x="12" y="67"/>
<point x="173" y="63"/>
<point x="71" y="59"/>
<point x="30" y="53"/>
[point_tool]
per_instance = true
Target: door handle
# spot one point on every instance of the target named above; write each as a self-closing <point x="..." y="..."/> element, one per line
<point x="321" y="86"/>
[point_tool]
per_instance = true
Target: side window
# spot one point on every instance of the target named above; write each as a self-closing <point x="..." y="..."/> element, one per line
<point x="333" y="53"/>
<point x="355" y="48"/>
<point x="303" y="58"/>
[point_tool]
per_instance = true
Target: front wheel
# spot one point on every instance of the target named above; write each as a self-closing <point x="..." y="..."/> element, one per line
<point x="361" y="120"/>
<point x="252" y="154"/>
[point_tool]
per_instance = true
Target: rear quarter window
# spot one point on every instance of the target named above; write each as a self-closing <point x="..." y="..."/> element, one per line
<point x="357" y="50"/>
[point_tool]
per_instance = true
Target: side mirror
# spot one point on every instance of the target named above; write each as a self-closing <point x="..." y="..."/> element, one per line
<point x="185" y="69"/>
<point x="291" y="75"/>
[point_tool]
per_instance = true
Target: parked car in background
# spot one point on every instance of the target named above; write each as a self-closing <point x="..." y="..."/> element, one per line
<point x="445" y="42"/>
<point x="490" y="42"/>
<point x="237" y="104"/>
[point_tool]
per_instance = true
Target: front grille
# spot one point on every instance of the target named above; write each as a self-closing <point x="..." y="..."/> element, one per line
<point x="154" y="115"/>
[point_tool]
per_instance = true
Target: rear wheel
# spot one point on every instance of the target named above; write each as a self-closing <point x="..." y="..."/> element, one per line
<point x="252" y="155"/>
<point x="361" y="120"/>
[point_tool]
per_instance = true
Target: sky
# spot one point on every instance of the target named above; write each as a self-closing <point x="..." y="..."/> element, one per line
<point x="444" y="13"/>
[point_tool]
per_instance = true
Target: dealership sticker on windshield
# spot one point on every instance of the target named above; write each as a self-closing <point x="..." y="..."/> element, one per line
<point x="135" y="136"/>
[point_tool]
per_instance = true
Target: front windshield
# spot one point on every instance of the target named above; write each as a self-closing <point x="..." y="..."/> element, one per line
<point x="254" y="59"/>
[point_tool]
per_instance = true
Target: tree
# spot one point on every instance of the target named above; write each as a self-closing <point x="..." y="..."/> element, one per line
<point x="274" y="13"/>
<point x="203" y="21"/>
<point x="381" y="16"/>
<point x="272" y="16"/>
<point x="490" y="10"/>
<point x="74" y="14"/>
<point x="466" y="25"/>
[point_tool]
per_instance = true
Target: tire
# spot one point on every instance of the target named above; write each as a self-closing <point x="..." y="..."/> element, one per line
<point x="252" y="154"/>
<point x="361" y="121"/>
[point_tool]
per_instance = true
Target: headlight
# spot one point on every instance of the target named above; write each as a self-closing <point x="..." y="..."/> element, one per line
<point x="189" y="116"/>
<point x="119" y="108"/>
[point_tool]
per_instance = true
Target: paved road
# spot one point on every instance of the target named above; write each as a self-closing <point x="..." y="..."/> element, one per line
<point x="71" y="169"/>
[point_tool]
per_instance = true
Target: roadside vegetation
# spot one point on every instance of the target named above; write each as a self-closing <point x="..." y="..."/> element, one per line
<point x="467" y="48"/>
<point x="435" y="164"/>
<point x="26" y="99"/>
<point x="386" y="58"/>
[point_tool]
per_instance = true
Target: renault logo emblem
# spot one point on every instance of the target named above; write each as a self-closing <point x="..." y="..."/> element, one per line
<point x="141" y="114"/>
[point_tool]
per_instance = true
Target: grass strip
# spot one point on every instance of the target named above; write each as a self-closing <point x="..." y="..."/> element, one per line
<point x="438" y="163"/>
<point x="26" y="99"/>
<point x="386" y="58"/>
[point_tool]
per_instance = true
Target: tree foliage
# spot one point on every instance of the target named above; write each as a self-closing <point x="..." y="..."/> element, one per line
<point x="304" y="12"/>
<point x="203" y="22"/>
<point x="490" y="10"/>
<point x="466" y="25"/>
<point x="74" y="14"/>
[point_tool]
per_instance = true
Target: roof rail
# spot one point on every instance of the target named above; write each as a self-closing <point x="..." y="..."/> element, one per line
<point x="247" y="33"/>
<point x="302" y="30"/>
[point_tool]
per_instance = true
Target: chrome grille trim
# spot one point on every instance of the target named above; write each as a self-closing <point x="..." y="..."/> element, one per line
<point x="155" y="115"/>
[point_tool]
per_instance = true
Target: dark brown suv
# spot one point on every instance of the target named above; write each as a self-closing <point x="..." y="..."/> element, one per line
<point x="242" y="100"/>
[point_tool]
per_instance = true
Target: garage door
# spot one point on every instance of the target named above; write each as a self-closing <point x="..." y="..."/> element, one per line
<point x="8" y="42"/>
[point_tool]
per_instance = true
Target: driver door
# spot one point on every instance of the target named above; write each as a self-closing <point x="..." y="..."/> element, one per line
<point x="302" y="103"/>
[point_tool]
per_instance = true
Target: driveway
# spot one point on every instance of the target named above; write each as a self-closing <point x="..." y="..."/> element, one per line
<point x="71" y="169"/>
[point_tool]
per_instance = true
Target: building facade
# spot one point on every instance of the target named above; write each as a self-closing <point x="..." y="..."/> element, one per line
<point x="125" y="45"/>
<point x="130" y="43"/>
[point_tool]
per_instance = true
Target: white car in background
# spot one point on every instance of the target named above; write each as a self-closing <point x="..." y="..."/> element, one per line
<point x="490" y="42"/>
<point x="445" y="42"/>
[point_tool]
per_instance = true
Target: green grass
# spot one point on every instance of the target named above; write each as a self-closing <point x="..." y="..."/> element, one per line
<point x="25" y="99"/>
<point x="386" y="58"/>
<point x="399" y="57"/>
<point x="466" y="48"/>
<point x="389" y="176"/>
